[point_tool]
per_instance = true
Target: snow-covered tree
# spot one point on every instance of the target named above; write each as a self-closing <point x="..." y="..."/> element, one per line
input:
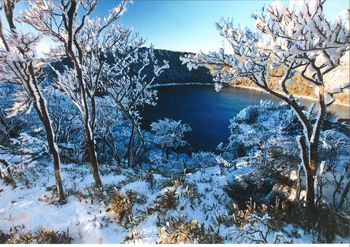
<point x="289" y="40"/>
<point x="129" y="85"/>
<point x="169" y="134"/>
<point x="78" y="37"/>
<point x="20" y="64"/>
<point x="118" y="66"/>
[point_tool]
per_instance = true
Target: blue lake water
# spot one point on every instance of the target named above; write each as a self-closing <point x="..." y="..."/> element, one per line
<point x="207" y="112"/>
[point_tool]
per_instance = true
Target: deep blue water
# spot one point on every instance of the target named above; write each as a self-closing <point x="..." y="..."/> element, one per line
<point x="207" y="112"/>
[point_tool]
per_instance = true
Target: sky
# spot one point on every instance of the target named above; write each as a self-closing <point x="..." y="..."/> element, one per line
<point x="189" y="25"/>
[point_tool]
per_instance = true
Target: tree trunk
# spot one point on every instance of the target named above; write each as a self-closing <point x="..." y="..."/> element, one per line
<point x="77" y="61"/>
<point x="167" y="151"/>
<point x="138" y="151"/>
<point x="41" y="109"/>
<point x="310" y="177"/>
<point x="310" y="191"/>
<point x="130" y="143"/>
<point x="309" y="159"/>
<point x="42" y="112"/>
<point x="90" y="147"/>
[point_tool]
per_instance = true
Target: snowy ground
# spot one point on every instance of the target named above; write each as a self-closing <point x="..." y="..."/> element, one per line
<point x="198" y="198"/>
<point x="159" y="205"/>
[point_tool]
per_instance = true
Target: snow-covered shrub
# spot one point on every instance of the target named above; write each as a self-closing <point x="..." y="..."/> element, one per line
<point x="10" y="127"/>
<point x="180" y="231"/>
<point x="121" y="206"/>
<point x="258" y="230"/>
<point x="237" y="149"/>
<point x="248" y="115"/>
<point x="269" y="145"/>
<point x="17" y="236"/>
<point x="52" y="237"/>
<point x="66" y="123"/>
<point x="278" y="158"/>
<point x="165" y="201"/>
<point x="169" y="134"/>
<point x="202" y="160"/>
<point x="333" y="183"/>
<point x="254" y="125"/>
<point x="156" y="159"/>
<point x="334" y="144"/>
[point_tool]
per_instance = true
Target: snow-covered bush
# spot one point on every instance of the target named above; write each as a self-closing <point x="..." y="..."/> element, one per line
<point x="258" y="230"/>
<point x="66" y="123"/>
<point x="169" y="134"/>
<point x="277" y="158"/>
<point x="10" y="127"/>
<point x="180" y="231"/>
<point x="254" y="125"/>
<point x="16" y="236"/>
<point x="202" y="160"/>
<point x="333" y="183"/>
<point x="121" y="206"/>
<point x="248" y="115"/>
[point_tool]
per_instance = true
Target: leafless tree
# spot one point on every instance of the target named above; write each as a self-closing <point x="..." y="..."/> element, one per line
<point x="67" y="22"/>
<point x="20" y="64"/>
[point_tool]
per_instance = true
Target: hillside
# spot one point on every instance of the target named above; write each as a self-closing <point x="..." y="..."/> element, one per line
<point x="339" y="76"/>
<point x="178" y="72"/>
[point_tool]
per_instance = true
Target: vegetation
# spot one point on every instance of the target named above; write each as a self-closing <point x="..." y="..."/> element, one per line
<point x="282" y="176"/>
<point x="288" y="39"/>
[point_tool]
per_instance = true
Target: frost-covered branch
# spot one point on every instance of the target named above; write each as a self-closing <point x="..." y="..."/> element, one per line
<point x="294" y="39"/>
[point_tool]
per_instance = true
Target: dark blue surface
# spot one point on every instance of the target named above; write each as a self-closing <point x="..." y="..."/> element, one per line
<point x="207" y="112"/>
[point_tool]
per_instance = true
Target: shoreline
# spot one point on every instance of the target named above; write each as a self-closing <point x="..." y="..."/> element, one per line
<point x="172" y="84"/>
<point x="235" y="86"/>
<point x="304" y="97"/>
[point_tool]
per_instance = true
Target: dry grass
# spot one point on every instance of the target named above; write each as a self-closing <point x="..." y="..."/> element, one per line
<point x="52" y="237"/>
<point x="166" y="201"/>
<point x="17" y="236"/>
<point x="121" y="206"/>
<point x="180" y="231"/>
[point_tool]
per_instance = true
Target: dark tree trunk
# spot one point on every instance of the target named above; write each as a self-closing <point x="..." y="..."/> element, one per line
<point x="41" y="109"/>
<point x="309" y="158"/>
<point x="130" y="144"/>
<point x="55" y="156"/>
<point x="310" y="191"/>
<point x="90" y="146"/>
<point x="310" y="176"/>
<point x="77" y="61"/>
<point x="166" y="152"/>
<point x="136" y="160"/>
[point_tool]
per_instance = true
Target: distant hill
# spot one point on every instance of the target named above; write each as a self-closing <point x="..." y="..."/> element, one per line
<point x="178" y="72"/>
